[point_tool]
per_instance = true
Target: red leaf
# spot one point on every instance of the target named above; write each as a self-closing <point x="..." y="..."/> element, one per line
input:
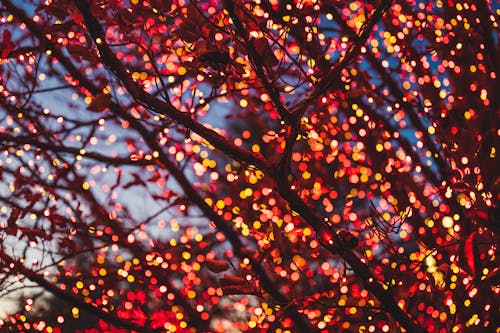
<point x="55" y="10"/>
<point x="6" y="44"/>
<point x="265" y="52"/>
<point x="154" y="177"/>
<point x="186" y="35"/>
<point x="239" y="290"/>
<point x="247" y="252"/>
<point x="81" y="51"/>
<point x="78" y="17"/>
<point x="6" y="36"/>
<point x="261" y="46"/>
<point x="194" y="15"/>
<point x="216" y="266"/>
<point x="162" y="5"/>
<point x="99" y="103"/>
<point x="231" y="280"/>
<point x="348" y="239"/>
<point x="469" y="253"/>
<point x="125" y="18"/>
<point x="477" y="214"/>
<point x="78" y="50"/>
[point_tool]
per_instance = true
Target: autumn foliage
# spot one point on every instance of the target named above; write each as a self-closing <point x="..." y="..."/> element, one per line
<point x="249" y="166"/>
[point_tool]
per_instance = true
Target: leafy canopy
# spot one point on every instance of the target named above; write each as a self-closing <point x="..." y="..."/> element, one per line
<point x="255" y="166"/>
